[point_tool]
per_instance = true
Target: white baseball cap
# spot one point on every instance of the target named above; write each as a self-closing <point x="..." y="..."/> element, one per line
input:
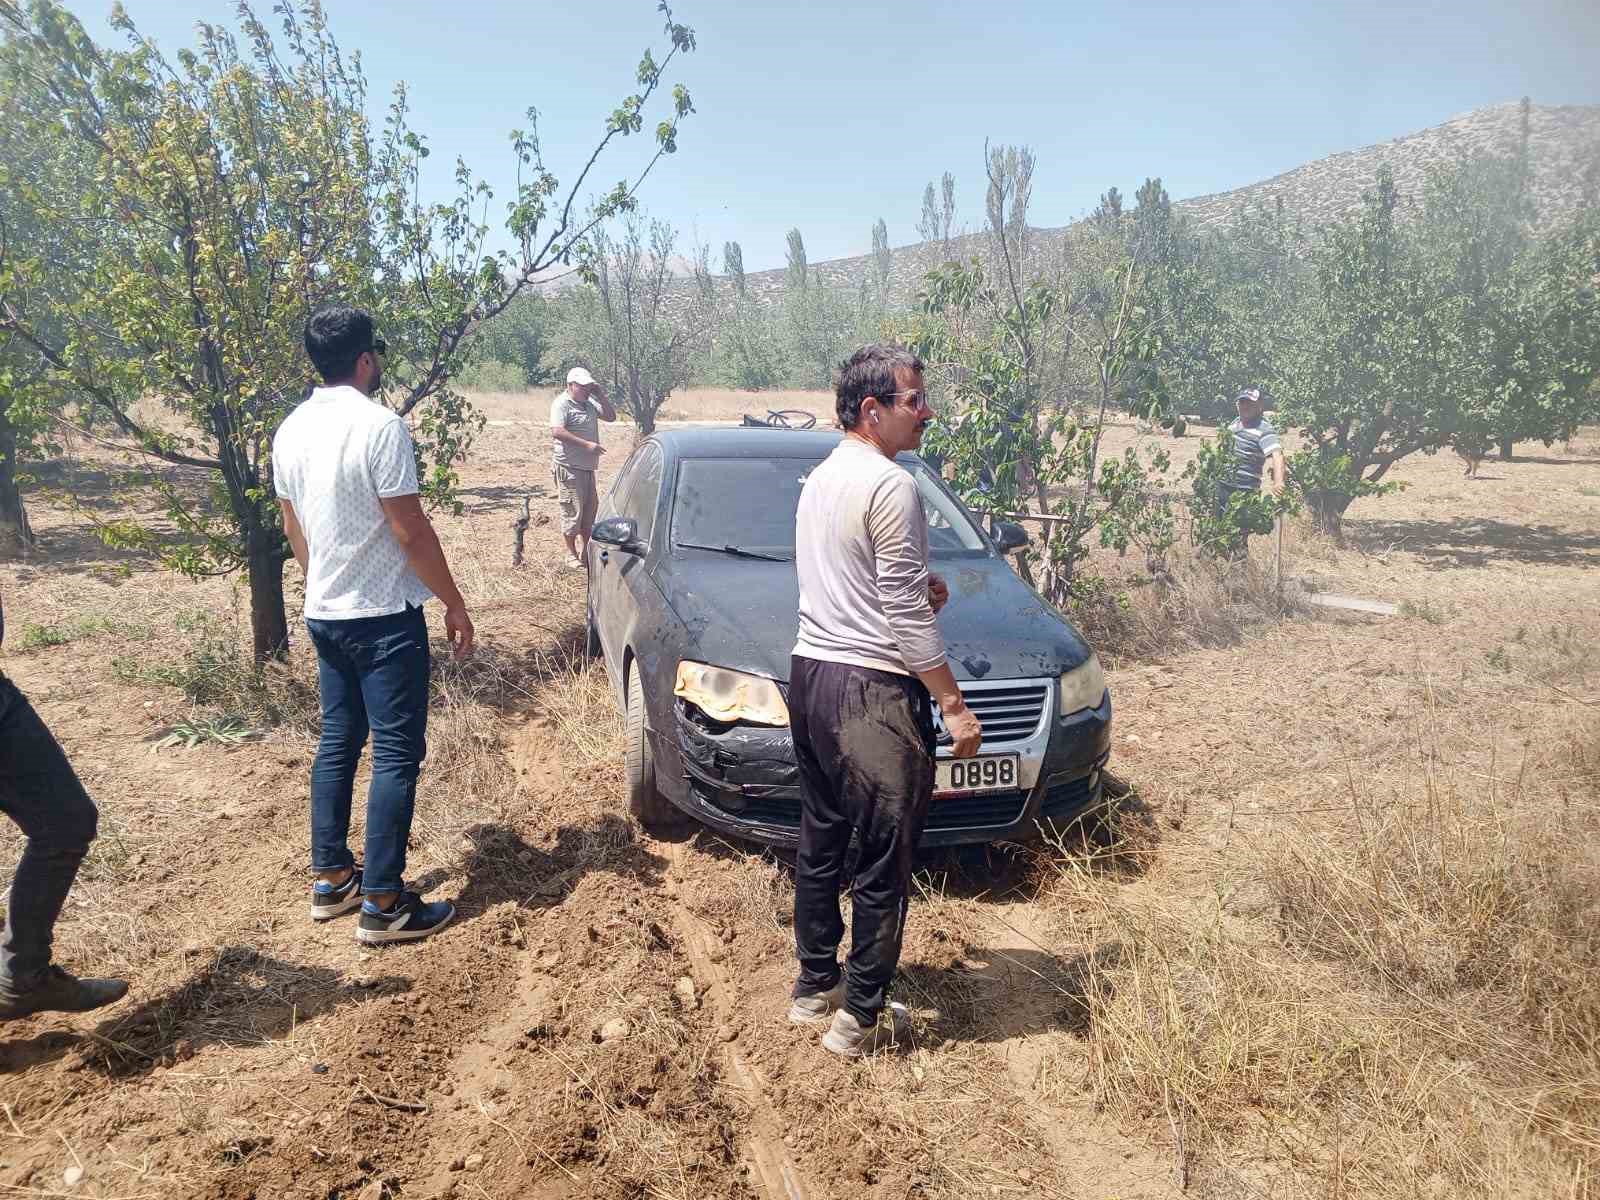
<point x="579" y="375"/>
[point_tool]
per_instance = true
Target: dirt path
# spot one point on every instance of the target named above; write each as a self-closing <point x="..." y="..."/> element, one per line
<point x="713" y="984"/>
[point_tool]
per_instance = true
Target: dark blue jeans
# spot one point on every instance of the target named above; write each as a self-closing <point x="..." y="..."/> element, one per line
<point x="374" y="675"/>
<point x="41" y="793"/>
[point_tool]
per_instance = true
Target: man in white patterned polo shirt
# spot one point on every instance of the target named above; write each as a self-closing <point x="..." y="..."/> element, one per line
<point x="346" y="477"/>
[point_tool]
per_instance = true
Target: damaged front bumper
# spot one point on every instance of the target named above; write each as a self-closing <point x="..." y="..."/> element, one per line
<point x="742" y="780"/>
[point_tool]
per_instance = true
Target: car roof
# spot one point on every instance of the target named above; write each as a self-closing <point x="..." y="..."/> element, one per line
<point x="748" y="441"/>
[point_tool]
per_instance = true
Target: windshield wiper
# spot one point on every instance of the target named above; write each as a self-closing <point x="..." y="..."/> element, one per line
<point x="736" y="551"/>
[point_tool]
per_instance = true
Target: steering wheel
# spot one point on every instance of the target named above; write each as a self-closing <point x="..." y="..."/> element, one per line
<point x="791" y="418"/>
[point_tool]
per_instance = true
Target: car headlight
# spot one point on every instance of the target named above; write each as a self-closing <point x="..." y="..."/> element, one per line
<point x="1082" y="687"/>
<point x="725" y="695"/>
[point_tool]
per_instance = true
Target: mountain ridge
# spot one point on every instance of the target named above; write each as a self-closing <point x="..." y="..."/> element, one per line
<point x="1564" y="149"/>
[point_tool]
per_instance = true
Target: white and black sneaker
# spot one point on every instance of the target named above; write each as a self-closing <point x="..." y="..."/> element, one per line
<point x="818" y="1007"/>
<point x="848" y="1038"/>
<point x="330" y="900"/>
<point x="410" y="920"/>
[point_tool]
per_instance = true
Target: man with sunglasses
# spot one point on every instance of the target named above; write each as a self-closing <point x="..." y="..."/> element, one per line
<point x="868" y="657"/>
<point x="346" y="478"/>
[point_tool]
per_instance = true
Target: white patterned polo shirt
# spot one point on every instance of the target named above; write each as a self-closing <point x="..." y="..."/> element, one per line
<point x="334" y="458"/>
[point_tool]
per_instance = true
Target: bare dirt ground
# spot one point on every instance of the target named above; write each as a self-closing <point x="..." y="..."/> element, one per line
<point x="1339" y="941"/>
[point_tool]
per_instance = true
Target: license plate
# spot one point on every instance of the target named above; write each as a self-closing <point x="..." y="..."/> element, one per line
<point x="987" y="773"/>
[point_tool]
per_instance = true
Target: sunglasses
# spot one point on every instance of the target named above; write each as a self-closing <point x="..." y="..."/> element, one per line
<point x="918" y="399"/>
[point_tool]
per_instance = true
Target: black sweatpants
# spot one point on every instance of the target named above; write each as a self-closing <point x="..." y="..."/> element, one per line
<point x="864" y="742"/>
<point x="41" y="793"/>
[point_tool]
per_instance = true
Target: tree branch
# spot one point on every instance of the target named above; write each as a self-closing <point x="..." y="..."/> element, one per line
<point x="148" y="443"/>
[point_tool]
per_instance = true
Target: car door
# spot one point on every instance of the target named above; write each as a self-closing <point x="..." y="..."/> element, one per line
<point x="600" y="613"/>
<point x="616" y="577"/>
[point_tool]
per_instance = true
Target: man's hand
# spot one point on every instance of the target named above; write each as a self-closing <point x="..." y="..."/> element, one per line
<point x="597" y="448"/>
<point x="965" y="732"/>
<point x="1275" y="474"/>
<point x="938" y="592"/>
<point x="458" y="629"/>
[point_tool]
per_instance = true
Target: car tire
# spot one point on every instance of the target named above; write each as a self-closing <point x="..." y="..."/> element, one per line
<point x="648" y="806"/>
<point x="591" y="636"/>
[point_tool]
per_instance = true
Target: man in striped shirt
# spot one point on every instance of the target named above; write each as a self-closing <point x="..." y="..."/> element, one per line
<point x="1256" y="445"/>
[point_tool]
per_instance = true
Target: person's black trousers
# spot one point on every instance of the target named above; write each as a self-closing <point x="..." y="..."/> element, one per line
<point x="40" y="792"/>
<point x="864" y="743"/>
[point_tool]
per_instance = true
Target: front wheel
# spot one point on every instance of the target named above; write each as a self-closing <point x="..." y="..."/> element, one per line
<point x="648" y="806"/>
<point x="591" y="636"/>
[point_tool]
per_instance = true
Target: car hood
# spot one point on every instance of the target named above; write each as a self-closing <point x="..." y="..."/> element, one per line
<point x="741" y="614"/>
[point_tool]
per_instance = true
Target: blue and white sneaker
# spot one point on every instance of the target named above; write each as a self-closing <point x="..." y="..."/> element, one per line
<point x="334" y="900"/>
<point x="410" y="920"/>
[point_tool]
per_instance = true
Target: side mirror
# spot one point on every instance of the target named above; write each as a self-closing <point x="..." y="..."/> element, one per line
<point x="1009" y="536"/>
<point x="621" y="532"/>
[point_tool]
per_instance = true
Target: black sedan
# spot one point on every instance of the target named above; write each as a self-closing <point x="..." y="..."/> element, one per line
<point x="692" y="603"/>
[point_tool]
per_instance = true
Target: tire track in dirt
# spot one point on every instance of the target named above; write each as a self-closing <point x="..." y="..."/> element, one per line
<point x="778" y="1172"/>
<point x="1036" y="1004"/>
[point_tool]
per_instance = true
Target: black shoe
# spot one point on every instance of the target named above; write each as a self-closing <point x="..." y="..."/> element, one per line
<point x="410" y="920"/>
<point x="60" y="992"/>
<point x="334" y="900"/>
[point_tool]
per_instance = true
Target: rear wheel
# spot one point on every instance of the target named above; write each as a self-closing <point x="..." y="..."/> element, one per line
<point x="648" y="806"/>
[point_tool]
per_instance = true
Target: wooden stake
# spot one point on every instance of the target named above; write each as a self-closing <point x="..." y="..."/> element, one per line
<point x="1277" y="566"/>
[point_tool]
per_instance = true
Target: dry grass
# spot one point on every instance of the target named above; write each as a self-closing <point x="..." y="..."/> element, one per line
<point x="576" y="697"/>
<point x="1197" y="603"/>
<point x="1394" y="993"/>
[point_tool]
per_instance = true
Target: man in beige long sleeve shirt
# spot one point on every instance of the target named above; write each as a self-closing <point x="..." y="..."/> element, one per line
<point x="868" y="662"/>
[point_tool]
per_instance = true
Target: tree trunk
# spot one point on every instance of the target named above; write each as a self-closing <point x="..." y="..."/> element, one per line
<point x="1327" y="511"/>
<point x="1505" y="449"/>
<point x="16" y="535"/>
<point x="269" y="624"/>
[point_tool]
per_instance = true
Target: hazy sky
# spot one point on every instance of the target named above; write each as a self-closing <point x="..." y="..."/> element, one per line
<point x="828" y="115"/>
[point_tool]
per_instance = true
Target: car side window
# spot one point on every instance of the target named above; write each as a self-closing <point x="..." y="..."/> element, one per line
<point x="613" y="503"/>
<point x="644" y="491"/>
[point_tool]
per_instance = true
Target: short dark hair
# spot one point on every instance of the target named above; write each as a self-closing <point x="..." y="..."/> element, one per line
<point x="869" y="372"/>
<point x="335" y="337"/>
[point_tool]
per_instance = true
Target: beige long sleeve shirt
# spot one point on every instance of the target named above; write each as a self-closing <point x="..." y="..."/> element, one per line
<point x="861" y="552"/>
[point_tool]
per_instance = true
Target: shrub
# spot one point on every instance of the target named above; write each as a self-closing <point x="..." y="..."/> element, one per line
<point x="494" y="375"/>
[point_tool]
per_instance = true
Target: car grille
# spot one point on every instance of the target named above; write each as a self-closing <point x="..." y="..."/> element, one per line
<point x="1067" y="796"/>
<point x="1007" y="714"/>
<point x="961" y="812"/>
<point x="972" y="812"/>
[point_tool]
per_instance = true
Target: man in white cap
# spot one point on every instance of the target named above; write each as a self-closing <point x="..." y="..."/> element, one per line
<point x="575" y="418"/>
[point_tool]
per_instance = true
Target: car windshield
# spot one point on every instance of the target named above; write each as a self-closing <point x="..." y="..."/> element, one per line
<point x="749" y="503"/>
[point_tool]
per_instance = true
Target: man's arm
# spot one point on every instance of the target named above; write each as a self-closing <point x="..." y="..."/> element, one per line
<point x="296" y="536"/>
<point x="1277" y="472"/>
<point x="603" y="403"/>
<point x="966" y="734"/>
<point x="562" y="434"/>
<point x="414" y="532"/>
<point x="906" y="601"/>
